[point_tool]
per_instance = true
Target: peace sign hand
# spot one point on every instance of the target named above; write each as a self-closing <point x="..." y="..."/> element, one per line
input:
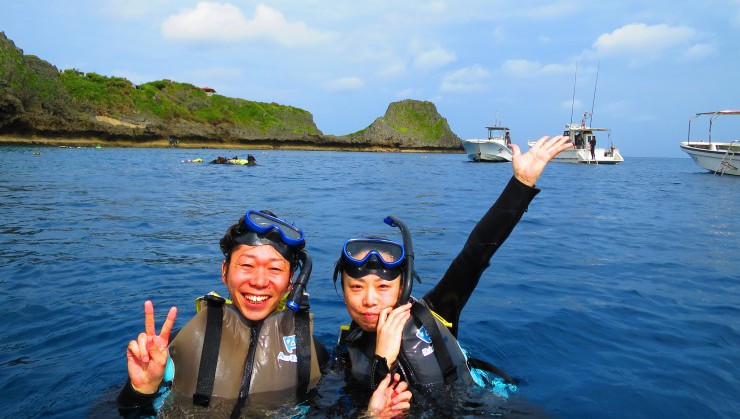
<point x="147" y="356"/>
<point x="529" y="166"/>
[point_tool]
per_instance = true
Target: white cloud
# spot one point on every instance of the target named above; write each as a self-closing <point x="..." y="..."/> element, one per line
<point x="345" y="84"/>
<point x="434" y="58"/>
<point x="465" y="80"/>
<point x="527" y="68"/>
<point x="224" y="22"/>
<point x="392" y="69"/>
<point x="698" y="51"/>
<point x="642" y="42"/>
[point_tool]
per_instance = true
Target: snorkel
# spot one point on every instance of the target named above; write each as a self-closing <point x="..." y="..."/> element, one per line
<point x="295" y="297"/>
<point x="409" y="273"/>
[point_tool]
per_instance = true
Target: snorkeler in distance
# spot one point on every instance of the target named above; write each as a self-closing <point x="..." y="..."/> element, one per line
<point x="250" y="349"/>
<point x="391" y="332"/>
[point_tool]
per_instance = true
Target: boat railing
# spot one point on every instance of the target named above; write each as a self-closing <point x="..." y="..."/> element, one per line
<point x="728" y="160"/>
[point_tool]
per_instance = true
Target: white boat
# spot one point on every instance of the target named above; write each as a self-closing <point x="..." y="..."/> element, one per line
<point x="495" y="148"/>
<point x="582" y="135"/>
<point x="721" y="158"/>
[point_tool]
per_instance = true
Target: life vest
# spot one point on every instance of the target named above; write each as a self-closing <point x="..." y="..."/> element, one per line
<point x="276" y="355"/>
<point x="429" y="355"/>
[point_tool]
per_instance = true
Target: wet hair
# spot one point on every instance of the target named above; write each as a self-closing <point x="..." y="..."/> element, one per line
<point x="229" y="241"/>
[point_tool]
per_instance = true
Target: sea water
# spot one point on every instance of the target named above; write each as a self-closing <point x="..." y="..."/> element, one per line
<point x="617" y="295"/>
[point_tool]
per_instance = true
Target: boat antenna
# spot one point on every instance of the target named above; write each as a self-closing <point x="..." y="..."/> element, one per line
<point x="573" y="99"/>
<point x="593" y="101"/>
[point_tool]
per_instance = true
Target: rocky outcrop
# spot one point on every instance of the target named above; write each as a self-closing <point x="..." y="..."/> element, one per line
<point x="409" y="124"/>
<point x="39" y="100"/>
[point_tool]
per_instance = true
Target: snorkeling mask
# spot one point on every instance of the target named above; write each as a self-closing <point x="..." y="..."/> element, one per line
<point x="287" y="239"/>
<point x="260" y="228"/>
<point x="384" y="258"/>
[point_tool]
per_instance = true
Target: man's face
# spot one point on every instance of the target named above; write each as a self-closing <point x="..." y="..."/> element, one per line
<point x="257" y="277"/>
<point x="365" y="297"/>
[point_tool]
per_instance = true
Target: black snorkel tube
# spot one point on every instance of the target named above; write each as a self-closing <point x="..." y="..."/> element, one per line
<point x="295" y="297"/>
<point x="409" y="274"/>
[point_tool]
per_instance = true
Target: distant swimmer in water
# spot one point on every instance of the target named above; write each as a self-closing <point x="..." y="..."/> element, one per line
<point x="251" y="161"/>
<point x="392" y="332"/>
<point x="219" y="160"/>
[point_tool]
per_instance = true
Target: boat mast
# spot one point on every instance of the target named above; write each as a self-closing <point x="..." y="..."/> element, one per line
<point x="573" y="99"/>
<point x="593" y="101"/>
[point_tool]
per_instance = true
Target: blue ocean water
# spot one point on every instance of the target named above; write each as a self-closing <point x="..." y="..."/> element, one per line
<point x="617" y="295"/>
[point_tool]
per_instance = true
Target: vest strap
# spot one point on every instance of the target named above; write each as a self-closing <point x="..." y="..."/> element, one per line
<point x="303" y="352"/>
<point x="209" y="354"/>
<point x="448" y="368"/>
<point x="254" y="334"/>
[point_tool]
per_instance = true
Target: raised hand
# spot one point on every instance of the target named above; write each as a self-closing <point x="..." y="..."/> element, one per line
<point x="390" y="399"/>
<point x="529" y="166"/>
<point x="390" y="330"/>
<point x="147" y="355"/>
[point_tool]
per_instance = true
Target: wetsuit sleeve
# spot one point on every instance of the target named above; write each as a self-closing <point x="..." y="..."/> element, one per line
<point x="132" y="404"/>
<point x="449" y="296"/>
<point x="378" y="370"/>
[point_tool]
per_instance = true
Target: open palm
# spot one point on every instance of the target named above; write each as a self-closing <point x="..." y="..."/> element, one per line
<point x="529" y="166"/>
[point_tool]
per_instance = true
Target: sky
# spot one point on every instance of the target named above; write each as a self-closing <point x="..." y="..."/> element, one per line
<point x="643" y="67"/>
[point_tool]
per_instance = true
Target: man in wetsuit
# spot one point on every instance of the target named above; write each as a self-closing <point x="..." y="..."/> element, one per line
<point x="400" y="336"/>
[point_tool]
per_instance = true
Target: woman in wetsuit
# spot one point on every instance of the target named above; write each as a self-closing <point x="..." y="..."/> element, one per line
<point x="417" y="338"/>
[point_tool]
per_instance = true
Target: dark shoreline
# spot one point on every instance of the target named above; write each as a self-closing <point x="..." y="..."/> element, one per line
<point x="245" y="145"/>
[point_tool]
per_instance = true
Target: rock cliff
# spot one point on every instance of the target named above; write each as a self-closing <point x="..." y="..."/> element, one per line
<point x="39" y="100"/>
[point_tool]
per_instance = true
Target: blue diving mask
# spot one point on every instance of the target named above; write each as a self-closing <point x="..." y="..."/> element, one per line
<point x="260" y="228"/>
<point x="384" y="258"/>
<point x="263" y="223"/>
<point x="366" y="256"/>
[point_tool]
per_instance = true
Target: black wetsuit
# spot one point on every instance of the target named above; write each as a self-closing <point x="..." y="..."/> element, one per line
<point x="449" y="296"/>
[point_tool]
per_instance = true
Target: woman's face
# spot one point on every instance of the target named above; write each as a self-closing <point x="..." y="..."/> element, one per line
<point x="257" y="277"/>
<point x="365" y="297"/>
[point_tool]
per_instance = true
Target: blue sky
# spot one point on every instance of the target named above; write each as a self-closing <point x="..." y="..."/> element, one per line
<point x="659" y="61"/>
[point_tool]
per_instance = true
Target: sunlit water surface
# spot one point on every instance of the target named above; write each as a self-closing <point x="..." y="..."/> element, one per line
<point x="616" y="296"/>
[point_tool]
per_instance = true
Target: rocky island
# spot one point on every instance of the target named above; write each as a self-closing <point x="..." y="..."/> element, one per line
<point x="40" y="104"/>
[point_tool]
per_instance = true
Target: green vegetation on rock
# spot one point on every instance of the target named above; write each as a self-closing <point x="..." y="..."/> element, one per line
<point x="37" y="99"/>
<point x="410" y="123"/>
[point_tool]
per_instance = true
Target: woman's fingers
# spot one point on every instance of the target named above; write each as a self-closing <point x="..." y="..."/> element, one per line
<point x="383" y="316"/>
<point x="401" y="387"/>
<point x="401" y="406"/>
<point x="541" y="141"/>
